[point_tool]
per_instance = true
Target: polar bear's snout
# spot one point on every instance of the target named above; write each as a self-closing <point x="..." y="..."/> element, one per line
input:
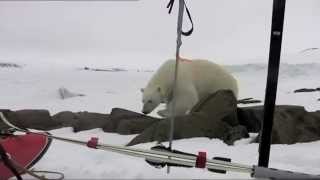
<point x="144" y="110"/>
<point x="151" y="99"/>
<point x="148" y="107"/>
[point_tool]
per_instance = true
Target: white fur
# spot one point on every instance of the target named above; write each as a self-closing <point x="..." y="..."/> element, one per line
<point x="196" y="79"/>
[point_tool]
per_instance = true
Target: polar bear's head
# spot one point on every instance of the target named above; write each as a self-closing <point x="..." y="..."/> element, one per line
<point x="151" y="98"/>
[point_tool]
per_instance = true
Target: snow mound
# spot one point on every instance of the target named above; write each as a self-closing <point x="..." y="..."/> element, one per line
<point x="64" y="93"/>
<point x="104" y="69"/>
<point x="9" y="65"/>
<point x="287" y="70"/>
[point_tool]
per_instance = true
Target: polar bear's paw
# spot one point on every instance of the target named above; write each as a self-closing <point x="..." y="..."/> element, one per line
<point x="164" y="113"/>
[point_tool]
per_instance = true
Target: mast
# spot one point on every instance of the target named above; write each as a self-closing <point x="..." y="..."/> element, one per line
<point x="272" y="80"/>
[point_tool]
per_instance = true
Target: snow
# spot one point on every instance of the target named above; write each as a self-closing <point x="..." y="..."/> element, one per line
<point x="36" y="86"/>
<point x="46" y="45"/>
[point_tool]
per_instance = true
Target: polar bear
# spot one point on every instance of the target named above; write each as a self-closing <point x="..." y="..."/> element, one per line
<point x="196" y="79"/>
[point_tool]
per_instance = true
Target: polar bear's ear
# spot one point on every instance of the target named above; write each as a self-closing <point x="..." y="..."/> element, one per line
<point x="159" y="89"/>
<point x="142" y="90"/>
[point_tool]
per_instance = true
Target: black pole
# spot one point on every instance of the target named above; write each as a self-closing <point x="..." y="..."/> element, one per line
<point x="272" y="80"/>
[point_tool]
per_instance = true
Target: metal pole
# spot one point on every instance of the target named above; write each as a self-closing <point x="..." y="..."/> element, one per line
<point x="272" y="80"/>
<point x="174" y="89"/>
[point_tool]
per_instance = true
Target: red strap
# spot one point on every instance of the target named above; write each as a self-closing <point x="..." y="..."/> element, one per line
<point x="201" y="160"/>
<point x="185" y="60"/>
<point x="93" y="142"/>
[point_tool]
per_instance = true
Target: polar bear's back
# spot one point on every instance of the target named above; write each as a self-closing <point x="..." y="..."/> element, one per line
<point x="164" y="74"/>
<point x="209" y="77"/>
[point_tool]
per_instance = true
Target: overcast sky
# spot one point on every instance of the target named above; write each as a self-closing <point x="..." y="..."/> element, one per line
<point x="142" y="33"/>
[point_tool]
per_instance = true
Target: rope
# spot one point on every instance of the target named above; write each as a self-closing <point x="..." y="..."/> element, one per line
<point x="17" y="169"/>
<point x="8" y="163"/>
<point x="170" y="156"/>
<point x="15" y="166"/>
<point x="34" y="174"/>
<point x="170" y="5"/>
<point x="182" y="158"/>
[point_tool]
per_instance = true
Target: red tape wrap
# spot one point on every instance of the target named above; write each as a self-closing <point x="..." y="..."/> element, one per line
<point x="201" y="160"/>
<point x="93" y="142"/>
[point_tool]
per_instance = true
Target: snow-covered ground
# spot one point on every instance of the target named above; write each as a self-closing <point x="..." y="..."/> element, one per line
<point x="52" y="41"/>
<point x="36" y="87"/>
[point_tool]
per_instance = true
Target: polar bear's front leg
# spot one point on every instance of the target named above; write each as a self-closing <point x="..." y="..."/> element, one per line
<point x="185" y="100"/>
<point x="164" y="113"/>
